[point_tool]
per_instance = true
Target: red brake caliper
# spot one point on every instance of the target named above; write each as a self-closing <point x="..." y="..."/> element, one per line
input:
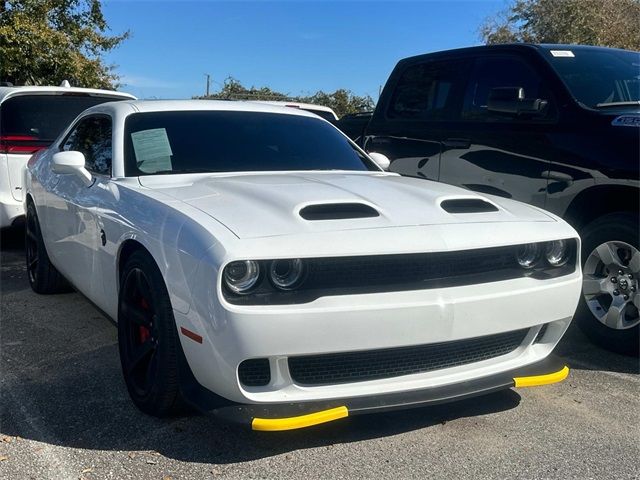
<point x="143" y="332"/>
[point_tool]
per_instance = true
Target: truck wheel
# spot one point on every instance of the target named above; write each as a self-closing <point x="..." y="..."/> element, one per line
<point x="147" y="338"/>
<point x="43" y="276"/>
<point x="608" y="310"/>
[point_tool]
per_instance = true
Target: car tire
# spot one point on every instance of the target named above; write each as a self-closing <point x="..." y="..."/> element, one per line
<point x="44" y="278"/>
<point x="147" y="338"/>
<point x="620" y="232"/>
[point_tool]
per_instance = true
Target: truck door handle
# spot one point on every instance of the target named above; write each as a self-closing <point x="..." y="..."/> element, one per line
<point x="457" y="143"/>
<point x="557" y="176"/>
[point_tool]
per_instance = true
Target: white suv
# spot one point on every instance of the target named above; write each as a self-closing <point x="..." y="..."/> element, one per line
<point x="30" y="119"/>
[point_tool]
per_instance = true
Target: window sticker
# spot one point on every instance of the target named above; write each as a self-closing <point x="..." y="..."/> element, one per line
<point x="562" y="53"/>
<point x="152" y="149"/>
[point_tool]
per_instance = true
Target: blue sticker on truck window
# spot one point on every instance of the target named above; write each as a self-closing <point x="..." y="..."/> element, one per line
<point x="626" y="121"/>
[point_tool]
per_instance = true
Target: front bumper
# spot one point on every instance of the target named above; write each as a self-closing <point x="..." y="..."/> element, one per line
<point x="290" y="416"/>
<point x="362" y="323"/>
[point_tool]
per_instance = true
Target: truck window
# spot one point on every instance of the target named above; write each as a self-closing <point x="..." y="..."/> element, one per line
<point x="507" y="71"/>
<point x="429" y="91"/>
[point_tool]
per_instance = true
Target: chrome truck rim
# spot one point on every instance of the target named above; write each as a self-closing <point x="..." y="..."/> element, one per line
<point x="610" y="284"/>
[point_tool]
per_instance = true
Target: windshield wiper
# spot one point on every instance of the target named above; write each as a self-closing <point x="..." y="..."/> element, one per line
<point x="633" y="103"/>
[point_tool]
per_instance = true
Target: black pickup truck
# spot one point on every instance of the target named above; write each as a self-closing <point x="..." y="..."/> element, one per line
<point x="557" y="126"/>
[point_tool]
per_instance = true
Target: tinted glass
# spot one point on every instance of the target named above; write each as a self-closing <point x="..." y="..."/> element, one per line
<point x="222" y="141"/>
<point x="92" y="137"/>
<point x="499" y="72"/>
<point x="597" y="77"/>
<point x="322" y="114"/>
<point x="43" y="117"/>
<point x="429" y="91"/>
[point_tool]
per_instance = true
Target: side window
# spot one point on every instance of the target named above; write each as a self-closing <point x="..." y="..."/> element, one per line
<point x="429" y="91"/>
<point x="507" y="71"/>
<point x="92" y="137"/>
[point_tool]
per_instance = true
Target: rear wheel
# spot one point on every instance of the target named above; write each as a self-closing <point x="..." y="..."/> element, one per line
<point x="43" y="276"/>
<point x="147" y="338"/>
<point x="609" y="307"/>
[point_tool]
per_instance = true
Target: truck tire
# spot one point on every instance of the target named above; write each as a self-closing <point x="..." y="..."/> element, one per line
<point x="608" y="309"/>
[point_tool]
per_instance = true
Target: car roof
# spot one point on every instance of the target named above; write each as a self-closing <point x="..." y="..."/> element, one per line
<point x="307" y="106"/>
<point x="504" y="47"/>
<point x="6" y="92"/>
<point x="131" y="106"/>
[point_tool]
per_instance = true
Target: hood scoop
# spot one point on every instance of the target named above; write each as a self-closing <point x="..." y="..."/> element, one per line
<point x="337" y="211"/>
<point x="467" y="205"/>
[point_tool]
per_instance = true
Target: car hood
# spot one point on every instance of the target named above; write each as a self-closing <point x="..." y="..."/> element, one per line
<point x="272" y="204"/>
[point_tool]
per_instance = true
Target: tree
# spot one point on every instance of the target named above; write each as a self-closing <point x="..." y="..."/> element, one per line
<point x="232" y="89"/>
<point x="612" y="23"/>
<point x="342" y="101"/>
<point x="48" y="41"/>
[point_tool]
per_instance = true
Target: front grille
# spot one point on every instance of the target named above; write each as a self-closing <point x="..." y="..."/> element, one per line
<point x="255" y="372"/>
<point x="420" y="268"/>
<point x="393" y="362"/>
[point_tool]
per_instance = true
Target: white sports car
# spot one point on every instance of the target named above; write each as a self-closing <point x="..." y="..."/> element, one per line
<point x="261" y="266"/>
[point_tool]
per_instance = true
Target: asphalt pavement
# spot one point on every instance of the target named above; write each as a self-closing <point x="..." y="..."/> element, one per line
<point x="65" y="414"/>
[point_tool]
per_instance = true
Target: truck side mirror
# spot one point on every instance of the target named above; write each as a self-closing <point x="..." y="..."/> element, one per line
<point x="512" y="100"/>
<point x="381" y="160"/>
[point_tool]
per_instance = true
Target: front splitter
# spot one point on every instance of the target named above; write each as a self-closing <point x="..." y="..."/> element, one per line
<point x="290" y="416"/>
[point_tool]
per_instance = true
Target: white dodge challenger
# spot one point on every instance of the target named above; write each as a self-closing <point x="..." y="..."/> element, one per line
<point x="262" y="267"/>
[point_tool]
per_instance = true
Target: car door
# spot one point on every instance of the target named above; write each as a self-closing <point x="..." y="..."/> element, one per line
<point x="422" y="106"/>
<point x="72" y="226"/>
<point x="501" y="153"/>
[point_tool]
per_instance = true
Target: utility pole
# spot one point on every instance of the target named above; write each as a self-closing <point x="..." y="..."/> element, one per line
<point x="208" y="82"/>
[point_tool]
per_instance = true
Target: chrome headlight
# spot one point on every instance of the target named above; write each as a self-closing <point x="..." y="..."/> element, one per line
<point x="556" y="253"/>
<point x="528" y="255"/>
<point x="286" y="274"/>
<point x="241" y="276"/>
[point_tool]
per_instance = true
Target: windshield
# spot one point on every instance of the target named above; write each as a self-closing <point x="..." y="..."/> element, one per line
<point x="599" y="78"/>
<point x="41" y="118"/>
<point x="230" y="141"/>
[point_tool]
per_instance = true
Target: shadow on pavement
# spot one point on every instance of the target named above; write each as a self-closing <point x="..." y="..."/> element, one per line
<point x="83" y="403"/>
<point x="61" y="384"/>
<point x="582" y="354"/>
<point x="11" y="239"/>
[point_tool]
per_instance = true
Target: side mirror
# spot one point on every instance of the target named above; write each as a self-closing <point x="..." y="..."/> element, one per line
<point x="381" y="160"/>
<point x="512" y="100"/>
<point x="65" y="163"/>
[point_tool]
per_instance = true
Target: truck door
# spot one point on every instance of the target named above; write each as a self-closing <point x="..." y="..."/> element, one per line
<point x="420" y="102"/>
<point x="501" y="153"/>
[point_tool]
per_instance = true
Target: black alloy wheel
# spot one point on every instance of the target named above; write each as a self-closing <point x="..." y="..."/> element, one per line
<point x="43" y="277"/>
<point x="147" y="338"/>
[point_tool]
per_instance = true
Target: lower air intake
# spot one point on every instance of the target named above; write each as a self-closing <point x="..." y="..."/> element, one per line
<point x="393" y="362"/>
<point x="255" y="372"/>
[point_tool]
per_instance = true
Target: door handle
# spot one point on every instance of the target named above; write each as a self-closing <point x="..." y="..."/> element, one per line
<point x="557" y="176"/>
<point x="457" y="143"/>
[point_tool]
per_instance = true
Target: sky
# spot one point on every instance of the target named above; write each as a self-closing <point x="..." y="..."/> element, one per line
<point x="295" y="47"/>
